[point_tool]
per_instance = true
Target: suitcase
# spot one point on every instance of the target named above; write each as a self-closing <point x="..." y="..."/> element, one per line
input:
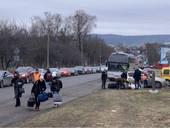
<point x="57" y="97"/>
<point x="42" y="97"/>
<point x="112" y="86"/>
<point x="31" y="101"/>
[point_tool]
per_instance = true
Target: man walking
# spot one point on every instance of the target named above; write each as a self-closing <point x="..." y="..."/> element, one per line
<point x="104" y="77"/>
<point x="137" y="77"/>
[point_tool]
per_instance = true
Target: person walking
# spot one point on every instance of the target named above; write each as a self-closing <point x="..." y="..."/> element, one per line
<point x="38" y="88"/>
<point x="18" y="83"/>
<point x="36" y="75"/>
<point x="104" y="78"/>
<point x="137" y="77"/>
<point x="48" y="80"/>
<point x="55" y="87"/>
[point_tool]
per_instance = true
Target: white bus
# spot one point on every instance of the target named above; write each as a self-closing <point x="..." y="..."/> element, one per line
<point x="117" y="63"/>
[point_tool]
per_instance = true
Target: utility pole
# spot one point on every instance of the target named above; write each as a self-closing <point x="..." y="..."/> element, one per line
<point x="48" y="51"/>
<point x="100" y="54"/>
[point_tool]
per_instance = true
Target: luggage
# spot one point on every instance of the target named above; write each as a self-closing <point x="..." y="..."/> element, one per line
<point x="112" y="86"/>
<point x="21" y="90"/>
<point x="57" y="97"/>
<point x="50" y="94"/>
<point x="42" y="97"/>
<point x="31" y="101"/>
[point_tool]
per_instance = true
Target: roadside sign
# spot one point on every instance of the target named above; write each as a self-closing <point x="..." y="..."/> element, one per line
<point x="16" y="51"/>
<point x="16" y="58"/>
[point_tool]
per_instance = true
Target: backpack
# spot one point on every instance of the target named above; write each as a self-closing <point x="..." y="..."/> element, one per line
<point x="48" y="76"/>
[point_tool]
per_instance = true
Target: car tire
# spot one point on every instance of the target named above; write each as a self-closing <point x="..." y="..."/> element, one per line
<point x="2" y="84"/>
<point x="158" y="85"/>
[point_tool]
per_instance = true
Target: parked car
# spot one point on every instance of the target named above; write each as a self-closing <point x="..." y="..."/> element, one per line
<point x="159" y="82"/>
<point x="42" y="71"/>
<point x="73" y="71"/>
<point x="165" y="74"/>
<point x="88" y="70"/>
<point x="80" y="70"/>
<point x="65" y="72"/>
<point x="5" y="78"/>
<point x="94" y="69"/>
<point x="26" y="73"/>
<point x="159" y="65"/>
<point x="57" y="71"/>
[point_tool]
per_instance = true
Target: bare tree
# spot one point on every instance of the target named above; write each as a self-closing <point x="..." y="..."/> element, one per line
<point x="82" y="24"/>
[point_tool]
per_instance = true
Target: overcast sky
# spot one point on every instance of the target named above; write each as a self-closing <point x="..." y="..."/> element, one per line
<point x="123" y="17"/>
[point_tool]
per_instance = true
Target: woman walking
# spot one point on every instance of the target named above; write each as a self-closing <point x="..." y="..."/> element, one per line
<point x="38" y="87"/>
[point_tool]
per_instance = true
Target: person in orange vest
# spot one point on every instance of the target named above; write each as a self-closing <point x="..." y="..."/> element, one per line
<point x="36" y="75"/>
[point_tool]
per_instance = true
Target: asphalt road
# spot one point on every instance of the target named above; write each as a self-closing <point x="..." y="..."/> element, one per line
<point x="73" y="88"/>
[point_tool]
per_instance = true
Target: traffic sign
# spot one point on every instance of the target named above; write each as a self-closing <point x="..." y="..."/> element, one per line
<point x="16" y="58"/>
<point x="16" y="51"/>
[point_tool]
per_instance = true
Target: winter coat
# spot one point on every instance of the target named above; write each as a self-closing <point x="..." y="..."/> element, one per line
<point x="137" y="75"/>
<point x="56" y="85"/>
<point x="18" y="83"/>
<point x="124" y="75"/>
<point x="38" y="87"/>
<point x="48" y="76"/>
<point x="104" y="76"/>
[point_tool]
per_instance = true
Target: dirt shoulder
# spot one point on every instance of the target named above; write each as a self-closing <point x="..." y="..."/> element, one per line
<point x="122" y="108"/>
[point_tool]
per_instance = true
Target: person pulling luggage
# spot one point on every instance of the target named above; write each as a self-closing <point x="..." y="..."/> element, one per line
<point x="18" y="84"/>
<point x="38" y="87"/>
<point x="55" y="88"/>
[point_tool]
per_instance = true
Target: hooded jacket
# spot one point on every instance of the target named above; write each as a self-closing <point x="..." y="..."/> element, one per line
<point x="18" y="83"/>
<point x="56" y="85"/>
<point x="48" y="76"/>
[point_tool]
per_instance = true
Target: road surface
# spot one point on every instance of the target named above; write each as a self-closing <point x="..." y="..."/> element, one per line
<point x="73" y="87"/>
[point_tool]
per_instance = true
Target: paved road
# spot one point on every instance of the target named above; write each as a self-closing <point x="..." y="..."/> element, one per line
<point x="73" y="87"/>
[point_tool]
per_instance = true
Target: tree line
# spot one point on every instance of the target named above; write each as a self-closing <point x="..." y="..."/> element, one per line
<point x="70" y="43"/>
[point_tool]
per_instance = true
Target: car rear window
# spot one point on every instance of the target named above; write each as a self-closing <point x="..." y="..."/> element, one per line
<point x="166" y="72"/>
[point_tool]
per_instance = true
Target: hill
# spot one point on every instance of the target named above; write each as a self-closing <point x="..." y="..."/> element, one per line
<point x="133" y="40"/>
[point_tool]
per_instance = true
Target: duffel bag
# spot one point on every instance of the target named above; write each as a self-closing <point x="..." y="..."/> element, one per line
<point x="57" y="97"/>
<point x="31" y="101"/>
<point x="42" y="97"/>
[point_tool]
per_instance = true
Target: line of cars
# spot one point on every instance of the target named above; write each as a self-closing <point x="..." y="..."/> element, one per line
<point x="27" y="73"/>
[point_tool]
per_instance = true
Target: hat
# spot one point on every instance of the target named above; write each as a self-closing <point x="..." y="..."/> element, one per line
<point x="41" y="77"/>
<point x="54" y="74"/>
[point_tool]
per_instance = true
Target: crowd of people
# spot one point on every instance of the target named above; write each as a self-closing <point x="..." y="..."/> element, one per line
<point x="49" y="83"/>
<point x="140" y="81"/>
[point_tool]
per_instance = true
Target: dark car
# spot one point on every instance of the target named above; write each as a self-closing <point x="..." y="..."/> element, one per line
<point x="5" y="78"/>
<point x="80" y="70"/>
<point x="26" y="73"/>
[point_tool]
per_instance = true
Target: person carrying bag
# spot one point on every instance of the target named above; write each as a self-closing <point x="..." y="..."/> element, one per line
<point x="38" y="88"/>
<point x="55" y="88"/>
<point x="18" y="87"/>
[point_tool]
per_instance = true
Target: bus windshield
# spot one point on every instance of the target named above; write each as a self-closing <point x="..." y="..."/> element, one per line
<point x="117" y="66"/>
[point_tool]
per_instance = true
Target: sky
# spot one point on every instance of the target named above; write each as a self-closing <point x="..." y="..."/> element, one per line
<point x="122" y="17"/>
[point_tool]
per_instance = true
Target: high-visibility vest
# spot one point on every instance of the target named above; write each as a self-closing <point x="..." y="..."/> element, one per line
<point x="36" y="76"/>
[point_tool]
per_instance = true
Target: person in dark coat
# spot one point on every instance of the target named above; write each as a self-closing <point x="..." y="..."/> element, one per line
<point x="55" y="87"/>
<point x="120" y="81"/>
<point x="104" y="78"/>
<point x="48" y="80"/>
<point x="137" y="77"/>
<point x="18" y="83"/>
<point x="56" y="84"/>
<point x="38" y="87"/>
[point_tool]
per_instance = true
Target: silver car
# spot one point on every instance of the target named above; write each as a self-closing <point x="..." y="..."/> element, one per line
<point x="57" y="71"/>
<point x="5" y="78"/>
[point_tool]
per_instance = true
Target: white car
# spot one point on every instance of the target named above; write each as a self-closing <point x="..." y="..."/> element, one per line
<point x="159" y="82"/>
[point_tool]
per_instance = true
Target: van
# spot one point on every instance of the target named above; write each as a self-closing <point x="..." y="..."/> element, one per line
<point x="165" y="73"/>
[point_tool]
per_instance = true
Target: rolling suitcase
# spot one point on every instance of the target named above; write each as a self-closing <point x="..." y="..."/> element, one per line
<point x="31" y="101"/>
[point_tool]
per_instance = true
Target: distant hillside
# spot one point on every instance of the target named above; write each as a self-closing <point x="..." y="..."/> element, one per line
<point x="133" y="40"/>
